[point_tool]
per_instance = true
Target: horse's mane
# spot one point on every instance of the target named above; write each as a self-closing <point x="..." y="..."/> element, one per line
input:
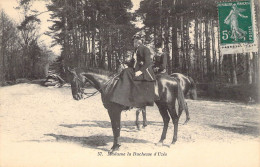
<point x="96" y="75"/>
<point x="95" y="70"/>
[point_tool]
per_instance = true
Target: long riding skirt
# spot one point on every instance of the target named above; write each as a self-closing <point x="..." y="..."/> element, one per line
<point x="131" y="93"/>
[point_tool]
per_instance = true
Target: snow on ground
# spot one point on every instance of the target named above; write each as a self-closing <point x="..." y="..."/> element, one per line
<point x="42" y="126"/>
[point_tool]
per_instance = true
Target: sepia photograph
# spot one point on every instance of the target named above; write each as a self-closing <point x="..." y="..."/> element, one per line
<point x="145" y="83"/>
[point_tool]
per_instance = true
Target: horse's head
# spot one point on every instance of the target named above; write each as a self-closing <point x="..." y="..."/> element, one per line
<point x="77" y="83"/>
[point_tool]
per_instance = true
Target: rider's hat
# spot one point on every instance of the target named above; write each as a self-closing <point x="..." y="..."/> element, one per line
<point x="136" y="36"/>
<point x="158" y="45"/>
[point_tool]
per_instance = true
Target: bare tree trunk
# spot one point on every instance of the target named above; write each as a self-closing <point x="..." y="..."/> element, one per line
<point x="90" y="61"/>
<point x="85" y="45"/>
<point x="255" y="68"/>
<point x="66" y="37"/>
<point x="101" y="54"/>
<point x="233" y="70"/>
<point x="214" y="64"/>
<point x="219" y="64"/>
<point x="248" y="69"/>
<point x="2" y="65"/>
<point x="109" y="54"/>
<point x="201" y="52"/>
<point x="161" y="25"/>
<point x="182" y="57"/>
<point x="175" y="52"/>
<point x="93" y="48"/>
<point x="166" y="45"/>
<point x="196" y="38"/>
<point x="187" y="64"/>
<point x="207" y="45"/>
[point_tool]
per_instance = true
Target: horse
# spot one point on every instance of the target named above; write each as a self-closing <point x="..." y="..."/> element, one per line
<point x="168" y="90"/>
<point x="188" y="86"/>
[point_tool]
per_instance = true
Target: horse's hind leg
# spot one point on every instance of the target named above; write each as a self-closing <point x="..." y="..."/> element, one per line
<point x="115" y="117"/>
<point x="187" y="113"/>
<point x="143" y="109"/>
<point x="175" y="120"/>
<point x="144" y="117"/>
<point x="165" y="116"/>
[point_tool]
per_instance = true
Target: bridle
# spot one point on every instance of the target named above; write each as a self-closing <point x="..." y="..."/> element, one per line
<point x="81" y="89"/>
<point x="97" y="91"/>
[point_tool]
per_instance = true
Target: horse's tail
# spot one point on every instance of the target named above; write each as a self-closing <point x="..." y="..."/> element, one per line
<point x="180" y="98"/>
<point x="193" y="89"/>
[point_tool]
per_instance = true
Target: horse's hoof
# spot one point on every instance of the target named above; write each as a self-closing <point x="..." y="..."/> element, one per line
<point x="187" y="120"/>
<point x="144" y="125"/>
<point x="159" y="144"/>
<point x="173" y="142"/>
<point x="114" y="148"/>
<point x="169" y="146"/>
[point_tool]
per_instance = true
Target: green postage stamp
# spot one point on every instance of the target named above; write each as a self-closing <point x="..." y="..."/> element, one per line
<point x="236" y="27"/>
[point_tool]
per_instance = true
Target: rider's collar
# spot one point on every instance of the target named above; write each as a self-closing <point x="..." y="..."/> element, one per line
<point x="138" y="47"/>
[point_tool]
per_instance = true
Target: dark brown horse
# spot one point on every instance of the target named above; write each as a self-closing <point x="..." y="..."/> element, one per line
<point x="168" y="90"/>
<point x="188" y="87"/>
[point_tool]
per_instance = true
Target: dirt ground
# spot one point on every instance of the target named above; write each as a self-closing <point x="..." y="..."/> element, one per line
<point x="45" y="127"/>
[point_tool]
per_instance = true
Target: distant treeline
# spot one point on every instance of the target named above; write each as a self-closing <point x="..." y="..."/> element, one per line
<point x="92" y="33"/>
<point x="188" y="30"/>
<point x="97" y="33"/>
<point x="21" y="55"/>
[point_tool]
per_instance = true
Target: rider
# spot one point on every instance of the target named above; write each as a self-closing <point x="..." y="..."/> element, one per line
<point x="159" y="60"/>
<point x="135" y="87"/>
<point x="143" y="63"/>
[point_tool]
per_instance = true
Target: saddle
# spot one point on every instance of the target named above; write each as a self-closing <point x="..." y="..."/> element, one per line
<point x="110" y="85"/>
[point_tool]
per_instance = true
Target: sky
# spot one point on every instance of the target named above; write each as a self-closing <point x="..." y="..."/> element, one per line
<point x="9" y="7"/>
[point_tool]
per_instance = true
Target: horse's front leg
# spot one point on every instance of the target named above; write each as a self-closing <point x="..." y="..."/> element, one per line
<point x="175" y="120"/>
<point x="115" y="117"/>
<point x="166" y="119"/>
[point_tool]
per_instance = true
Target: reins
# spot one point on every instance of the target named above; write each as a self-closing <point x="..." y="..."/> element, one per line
<point x="82" y="90"/>
<point x="98" y="90"/>
<point x="92" y="94"/>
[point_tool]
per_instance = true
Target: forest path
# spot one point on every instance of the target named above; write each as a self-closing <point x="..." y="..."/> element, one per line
<point x="42" y="126"/>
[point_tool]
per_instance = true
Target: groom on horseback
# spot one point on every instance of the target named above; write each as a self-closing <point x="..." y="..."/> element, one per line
<point x="135" y="87"/>
<point x="143" y="61"/>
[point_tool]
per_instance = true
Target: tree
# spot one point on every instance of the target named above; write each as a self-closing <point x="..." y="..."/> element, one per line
<point x="92" y="31"/>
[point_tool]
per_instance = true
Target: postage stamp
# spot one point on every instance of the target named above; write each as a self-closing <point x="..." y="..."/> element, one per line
<point x="236" y="27"/>
<point x="235" y="22"/>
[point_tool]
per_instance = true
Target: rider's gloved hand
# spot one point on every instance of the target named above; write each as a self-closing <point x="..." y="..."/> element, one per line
<point x="137" y="73"/>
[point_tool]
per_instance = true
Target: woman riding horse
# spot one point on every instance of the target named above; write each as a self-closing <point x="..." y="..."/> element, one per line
<point x="135" y="87"/>
<point x="168" y="91"/>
